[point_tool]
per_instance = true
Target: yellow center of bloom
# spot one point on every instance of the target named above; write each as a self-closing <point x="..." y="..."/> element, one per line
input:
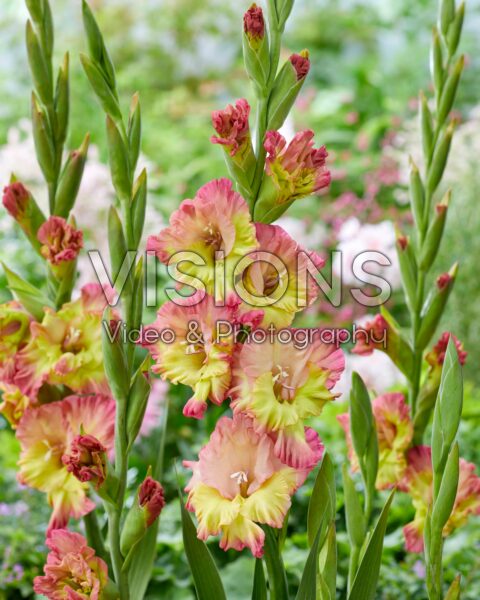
<point x="72" y="341"/>
<point x="283" y="391"/>
<point x="241" y="479"/>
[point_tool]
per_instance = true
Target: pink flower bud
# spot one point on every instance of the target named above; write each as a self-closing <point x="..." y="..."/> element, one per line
<point x="402" y="242"/>
<point x="232" y="126"/>
<point x="151" y="498"/>
<point x="301" y="64"/>
<point x="60" y="241"/>
<point x="437" y="355"/>
<point x="15" y="199"/>
<point x="253" y="23"/>
<point x="443" y="280"/>
<point x="87" y="459"/>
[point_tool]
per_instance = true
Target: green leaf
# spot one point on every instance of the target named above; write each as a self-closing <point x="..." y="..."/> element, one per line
<point x="365" y="582"/>
<point x="364" y="435"/>
<point x="259" y="591"/>
<point x="322" y="501"/>
<point x="277" y="578"/>
<point x="206" y="578"/>
<point x="134" y="131"/>
<point x="29" y="296"/>
<point x="447" y="493"/>
<point x="139" y="204"/>
<point x="356" y="526"/>
<point x="308" y="584"/>
<point x="38" y="66"/>
<point x="327" y="576"/>
<point x="114" y="361"/>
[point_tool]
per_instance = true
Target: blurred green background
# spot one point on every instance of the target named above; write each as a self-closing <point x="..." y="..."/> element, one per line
<point x="369" y="59"/>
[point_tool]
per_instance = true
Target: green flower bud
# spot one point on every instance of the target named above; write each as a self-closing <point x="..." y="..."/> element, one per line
<point x="137" y="404"/>
<point x="447" y="14"/>
<point x="435" y="305"/>
<point x="449" y="91"/>
<point x="445" y="500"/>
<point x="42" y="80"/>
<point x="455" y="30"/>
<point x="426" y="125"/>
<point x="286" y="88"/>
<point x="117" y="245"/>
<point x="62" y="101"/>
<point x="42" y="137"/>
<point x="96" y="46"/>
<point x="434" y="234"/>
<point x="138" y="207"/>
<point x="417" y="195"/>
<point x="134" y="132"/>
<point x="114" y="361"/>
<point x="119" y="162"/>
<point x="101" y="87"/>
<point x="147" y="506"/>
<point x="440" y="158"/>
<point x="255" y="48"/>
<point x="436" y="62"/>
<point x="21" y="205"/>
<point x="408" y="269"/>
<point x="70" y="179"/>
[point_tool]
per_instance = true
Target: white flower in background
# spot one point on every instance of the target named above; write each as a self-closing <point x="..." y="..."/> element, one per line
<point x="377" y="371"/>
<point x="355" y="238"/>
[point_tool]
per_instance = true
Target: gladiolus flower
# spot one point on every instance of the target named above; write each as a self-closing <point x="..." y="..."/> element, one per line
<point x="87" y="459"/>
<point x="14" y="334"/>
<point x="198" y="356"/>
<point x="46" y="434"/>
<point x="418" y="482"/>
<point x="279" y="385"/>
<point x="238" y="483"/>
<point x="232" y="127"/>
<point x="283" y="277"/>
<point x="374" y="336"/>
<point x="146" y="508"/>
<point x="13" y="404"/>
<point x="436" y="357"/>
<point x="217" y="220"/>
<point x="301" y="64"/>
<point x="66" y="347"/>
<point x="254" y="24"/>
<point x="394" y="431"/>
<point x="151" y="499"/>
<point x="292" y="171"/>
<point x="16" y="199"/>
<point x="72" y="570"/>
<point x="60" y="241"/>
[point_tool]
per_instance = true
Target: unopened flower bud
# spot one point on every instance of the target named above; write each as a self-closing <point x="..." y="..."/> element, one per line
<point x="22" y="207"/>
<point x="254" y="24"/>
<point x="147" y="506"/>
<point x="436" y="357"/>
<point x="301" y="64"/>
<point x="87" y="460"/>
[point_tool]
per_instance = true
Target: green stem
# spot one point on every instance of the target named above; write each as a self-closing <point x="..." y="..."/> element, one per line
<point x="94" y="535"/>
<point x="121" y="578"/>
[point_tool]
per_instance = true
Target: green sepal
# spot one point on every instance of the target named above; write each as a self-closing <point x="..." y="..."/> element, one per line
<point x="62" y="101"/>
<point x="43" y="139"/>
<point x="433" y="309"/>
<point x="29" y="296"/>
<point x="41" y="75"/>
<point x="134" y="131"/>
<point x="119" y="161"/>
<point x="284" y="93"/>
<point x="70" y="179"/>
<point x="434" y="235"/>
<point x="101" y="87"/>
<point x="138" y="207"/>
